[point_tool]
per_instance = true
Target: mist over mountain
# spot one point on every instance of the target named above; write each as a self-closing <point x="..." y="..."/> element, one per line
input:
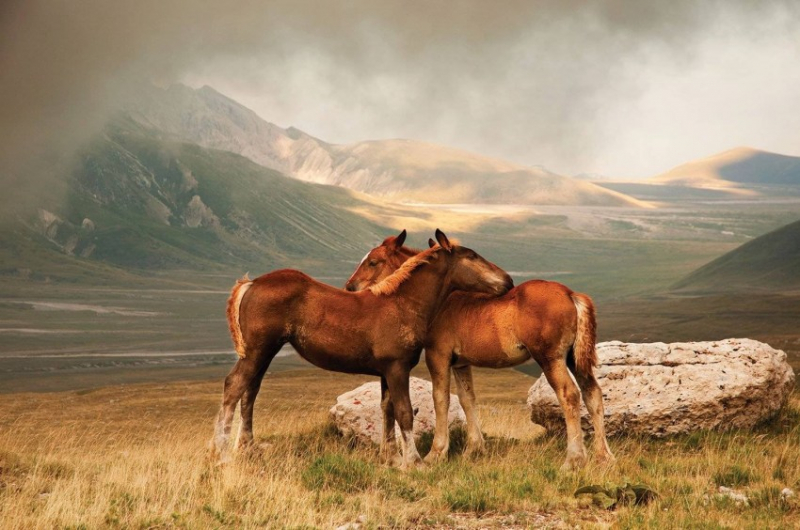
<point x="137" y="200"/>
<point x="399" y="170"/>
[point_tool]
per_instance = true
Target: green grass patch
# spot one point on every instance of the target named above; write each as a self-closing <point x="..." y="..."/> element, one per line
<point x="471" y="493"/>
<point x="734" y="476"/>
<point x="340" y="473"/>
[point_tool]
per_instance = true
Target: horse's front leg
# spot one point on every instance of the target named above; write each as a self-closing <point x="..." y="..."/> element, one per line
<point x="389" y="440"/>
<point x="466" y="394"/>
<point x="397" y="379"/>
<point x="439" y="368"/>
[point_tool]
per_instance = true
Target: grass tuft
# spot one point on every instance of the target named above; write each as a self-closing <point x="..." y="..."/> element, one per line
<point x="733" y="476"/>
<point x="340" y="473"/>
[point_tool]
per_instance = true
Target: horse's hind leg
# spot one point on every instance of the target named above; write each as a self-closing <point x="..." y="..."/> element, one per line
<point x="249" y="396"/>
<point x="389" y="441"/>
<point x="568" y="396"/>
<point x="593" y="398"/>
<point x="466" y="394"/>
<point x="243" y="377"/>
<point x="397" y="379"/>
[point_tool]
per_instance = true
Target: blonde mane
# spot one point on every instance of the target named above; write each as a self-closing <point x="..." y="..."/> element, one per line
<point x="391" y="283"/>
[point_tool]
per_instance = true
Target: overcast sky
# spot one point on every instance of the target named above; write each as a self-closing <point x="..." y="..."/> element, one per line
<point x="626" y="89"/>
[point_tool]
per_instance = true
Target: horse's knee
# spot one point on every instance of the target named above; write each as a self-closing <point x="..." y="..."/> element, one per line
<point x="404" y="417"/>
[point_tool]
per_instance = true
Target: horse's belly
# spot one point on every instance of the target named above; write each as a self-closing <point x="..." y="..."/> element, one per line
<point x="329" y="352"/>
<point x="350" y="362"/>
<point x="497" y="352"/>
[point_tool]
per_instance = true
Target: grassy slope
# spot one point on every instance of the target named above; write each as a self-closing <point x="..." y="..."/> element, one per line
<point x="769" y="262"/>
<point x="146" y="466"/>
<point x="135" y="190"/>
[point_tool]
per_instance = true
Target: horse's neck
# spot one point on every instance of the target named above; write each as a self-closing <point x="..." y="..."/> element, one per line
<point x="425" y="290"/>
<point x="407" y="253"/>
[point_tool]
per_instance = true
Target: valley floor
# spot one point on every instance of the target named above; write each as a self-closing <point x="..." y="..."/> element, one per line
<point x="134" y="456"/>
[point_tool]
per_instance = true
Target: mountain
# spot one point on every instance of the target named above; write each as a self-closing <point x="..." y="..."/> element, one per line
<point x="135" y="200"/>
<point x="400" y="170"/>
<point x="769" y="262"/>
<point x="742" y="170"/>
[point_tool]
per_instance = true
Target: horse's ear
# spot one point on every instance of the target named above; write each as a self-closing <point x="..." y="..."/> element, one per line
<point x="400" y="239"/>
<point x="395" y="242"/>
<point x="443" y="241"/>
<point x="431" y="242"/>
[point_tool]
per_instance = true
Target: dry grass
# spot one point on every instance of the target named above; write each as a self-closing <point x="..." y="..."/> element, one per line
<point x="134" y="457"/>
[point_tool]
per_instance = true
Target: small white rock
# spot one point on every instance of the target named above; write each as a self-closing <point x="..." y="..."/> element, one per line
<point x="358" y="412"/>
<point x="737" y="497"/>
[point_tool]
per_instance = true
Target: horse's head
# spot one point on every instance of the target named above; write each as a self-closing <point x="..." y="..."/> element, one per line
<point x="469" y="271"/>
<point x="380" y="262"/>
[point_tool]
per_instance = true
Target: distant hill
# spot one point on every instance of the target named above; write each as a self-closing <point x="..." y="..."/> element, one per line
<point x="769" y="262"/>
<point x="401" y="170"/>
<point x="741" y="170"/>
<point x="138" y="201"/>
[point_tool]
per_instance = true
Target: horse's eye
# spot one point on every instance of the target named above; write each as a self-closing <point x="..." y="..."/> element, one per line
<point x="373" y="263"/>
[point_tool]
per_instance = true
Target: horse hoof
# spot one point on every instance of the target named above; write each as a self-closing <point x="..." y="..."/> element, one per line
<point x="574" y="464"/>
<point x="605" y="459"/>
<point x="414" y="464"/>
<point x="434" y="457"/>
<point x="395" y="461"/>
<point x="473" y="451"/>
<point x="224" y="460"/>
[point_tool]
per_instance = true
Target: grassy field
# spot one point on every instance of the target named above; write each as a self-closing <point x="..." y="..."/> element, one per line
<point x="134" y="457"/>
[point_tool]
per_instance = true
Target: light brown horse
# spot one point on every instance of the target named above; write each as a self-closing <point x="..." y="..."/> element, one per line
<point x="538" y="319"/>
<point x="379" y="331"/>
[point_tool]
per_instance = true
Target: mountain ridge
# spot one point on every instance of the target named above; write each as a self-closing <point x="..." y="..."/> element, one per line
<point x="739" y="170"/>
<point x="390" y="169"/>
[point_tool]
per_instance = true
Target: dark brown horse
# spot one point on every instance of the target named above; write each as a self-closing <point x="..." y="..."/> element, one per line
<point x="542" y="320"/>
<point x="379" y="331"/>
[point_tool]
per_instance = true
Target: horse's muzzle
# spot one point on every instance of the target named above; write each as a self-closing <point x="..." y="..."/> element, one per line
<point x="508" y="284"/>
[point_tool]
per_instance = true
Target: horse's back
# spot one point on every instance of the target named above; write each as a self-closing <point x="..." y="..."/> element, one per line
<point x="543" y="292"/>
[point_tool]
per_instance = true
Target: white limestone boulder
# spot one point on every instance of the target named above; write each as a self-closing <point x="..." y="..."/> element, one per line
<point x="358" y="412"/>
<point x="662" y="389"/>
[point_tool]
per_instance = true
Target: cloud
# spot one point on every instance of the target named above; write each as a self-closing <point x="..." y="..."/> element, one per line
<point x="572" y="86"/>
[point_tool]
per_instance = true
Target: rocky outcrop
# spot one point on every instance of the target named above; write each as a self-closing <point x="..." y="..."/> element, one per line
<point x="358" y="412"/>
<point x="661" y="389"/>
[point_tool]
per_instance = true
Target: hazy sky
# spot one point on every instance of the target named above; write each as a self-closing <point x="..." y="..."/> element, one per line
<point x="623" y="88"/>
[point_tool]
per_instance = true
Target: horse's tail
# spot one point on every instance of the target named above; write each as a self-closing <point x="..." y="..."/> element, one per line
<point x="234" y="302"/>
<point x="586" y="336"/>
